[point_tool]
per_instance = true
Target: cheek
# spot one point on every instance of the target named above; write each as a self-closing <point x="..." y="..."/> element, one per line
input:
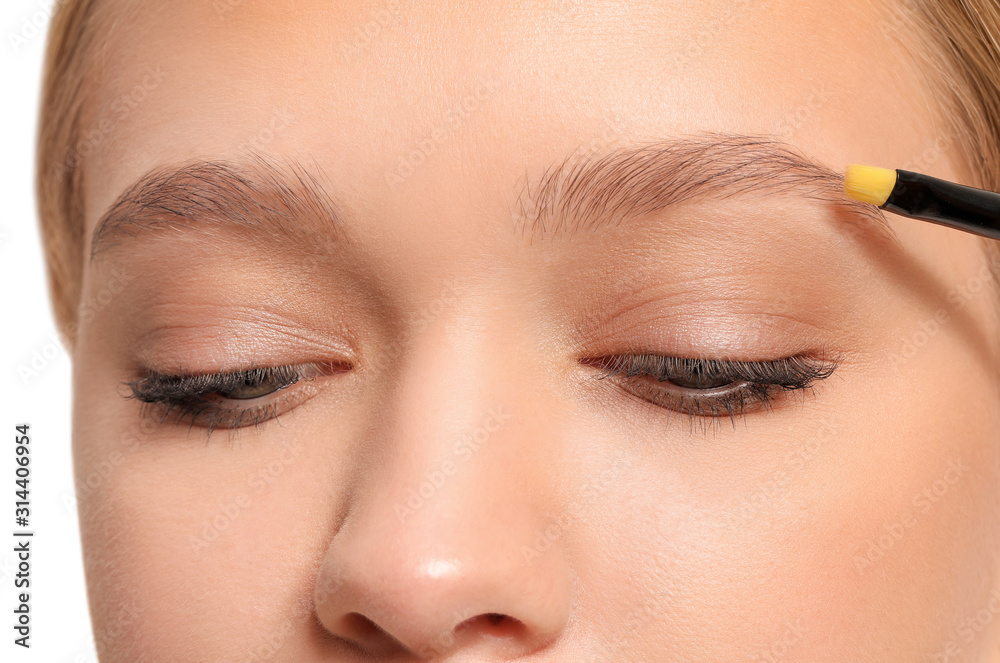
<point x="862" y="527"/>
<point x="902" y="511"/>
<point x="186" y="536"/>
<point x="193" y="552"/>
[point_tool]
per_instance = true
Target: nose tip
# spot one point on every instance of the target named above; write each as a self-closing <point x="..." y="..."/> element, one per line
<point x="390" y="601"/>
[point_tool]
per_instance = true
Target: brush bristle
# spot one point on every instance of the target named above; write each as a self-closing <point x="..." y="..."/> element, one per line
<point x="869" y="184"/>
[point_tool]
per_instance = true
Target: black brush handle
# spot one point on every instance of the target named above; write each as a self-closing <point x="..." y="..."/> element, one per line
<point x="940" y="201"/>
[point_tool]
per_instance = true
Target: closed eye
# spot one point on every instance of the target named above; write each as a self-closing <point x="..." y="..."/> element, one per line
<point x="712" y="388"/>
<point x="234" y="399"/>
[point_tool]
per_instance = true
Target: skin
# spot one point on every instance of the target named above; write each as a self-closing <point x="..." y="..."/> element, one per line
<point x="600" y="526"/>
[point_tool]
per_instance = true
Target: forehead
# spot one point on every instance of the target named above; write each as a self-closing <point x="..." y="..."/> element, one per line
<point x="476" y="93"/>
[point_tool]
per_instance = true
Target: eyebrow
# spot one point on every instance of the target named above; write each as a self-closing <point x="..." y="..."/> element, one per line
<point x="286" y="201"/>
<point x="588" y="191"/>
<point x="282" y="201"/>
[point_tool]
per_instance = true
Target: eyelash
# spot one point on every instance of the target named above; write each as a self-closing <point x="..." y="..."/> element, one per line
<point x="737" y="387"/>
<point x="196" y="398"/>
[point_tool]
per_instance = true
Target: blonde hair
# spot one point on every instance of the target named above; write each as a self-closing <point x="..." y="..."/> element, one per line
<point x="964" y="56"/>
<point x="958" y="45"/>
<point x="58" y="172"/>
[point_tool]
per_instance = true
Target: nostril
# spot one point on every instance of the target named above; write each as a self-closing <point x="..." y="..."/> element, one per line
<point x="364" y="633"/>
<point x="495" y="624"/>
<point x="358" y="626"/>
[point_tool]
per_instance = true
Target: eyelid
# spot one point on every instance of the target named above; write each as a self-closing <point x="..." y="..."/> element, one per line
<point x="754" y="386"/>
<point x="795" y="370"/>
<point x="226" y="338"/>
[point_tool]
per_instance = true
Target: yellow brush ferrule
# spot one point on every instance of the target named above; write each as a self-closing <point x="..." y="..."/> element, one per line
<point x="869" y="184"/>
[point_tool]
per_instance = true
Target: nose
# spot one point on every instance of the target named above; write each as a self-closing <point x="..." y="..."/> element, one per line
<point x="427" y="591"/>
<point x="442" y="548"/>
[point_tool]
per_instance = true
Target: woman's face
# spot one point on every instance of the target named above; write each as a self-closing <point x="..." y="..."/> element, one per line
<point x="449" y="220"/>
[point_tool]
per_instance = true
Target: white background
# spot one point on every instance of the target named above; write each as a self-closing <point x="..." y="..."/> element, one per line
<point x="35" y="379"/>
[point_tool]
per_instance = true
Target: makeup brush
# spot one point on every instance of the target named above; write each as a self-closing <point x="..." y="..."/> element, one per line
<point x="928" y="198"/>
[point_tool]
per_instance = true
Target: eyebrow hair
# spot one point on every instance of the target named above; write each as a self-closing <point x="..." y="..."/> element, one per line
<point x="585" y="192"/>
<point x="262" y="197"/>
<point x="581" y="193"/>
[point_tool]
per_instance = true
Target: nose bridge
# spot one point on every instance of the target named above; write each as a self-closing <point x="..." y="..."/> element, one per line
<point x="447" y="436"/>
<point x="435" y="533"/>
<point x="446" y="406"/>
<point x="446" y="382"/>
<point x="450" y="433"/>
<point x="429" y="478"/>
